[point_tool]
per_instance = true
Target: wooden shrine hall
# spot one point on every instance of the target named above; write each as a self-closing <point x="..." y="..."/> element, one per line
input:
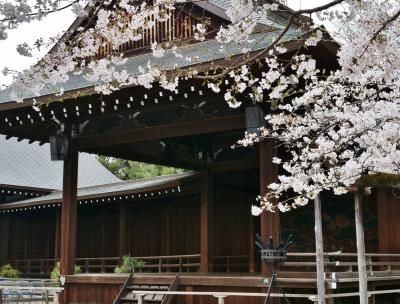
<point x="194" y="230"/>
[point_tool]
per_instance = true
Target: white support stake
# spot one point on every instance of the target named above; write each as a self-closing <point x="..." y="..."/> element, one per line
<point x="319" y="250"/>
<point x="362" y="269"/>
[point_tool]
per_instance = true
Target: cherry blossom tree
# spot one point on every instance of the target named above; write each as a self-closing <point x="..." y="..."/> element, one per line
<point x="344" y="126"/>
<point x="338" y="128"/>
<point x="117" y="23"/>
<point x="342" y="130"/>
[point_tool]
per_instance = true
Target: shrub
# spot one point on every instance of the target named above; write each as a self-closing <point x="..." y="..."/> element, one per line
<point x="7" y="271"/>
<point x="55" y="273"/>
<point x="129" y="264"/>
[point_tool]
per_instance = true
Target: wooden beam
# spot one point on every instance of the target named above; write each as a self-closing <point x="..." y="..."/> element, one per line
<point x="151" y="159"/>
<point x="69" y="212"/>
<point x="206" y="207"/>
<point x="319" y="250"/>
<point x="270" y="222"/>
<point x="361" y="261"/>
<point x="122" y="229"/>
<point x="164" y="131"/>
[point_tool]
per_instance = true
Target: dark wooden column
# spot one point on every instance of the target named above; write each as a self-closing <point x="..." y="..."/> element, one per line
<point x="122" y="229"/>
<point x="4" y="238"/>
<point x="168" y="229"/>
<point x="270" y="222"/>
<point x="57" y="234"/>
<point x="252" y="266"/>
<point x="206" y="207"/>
<point x="103" y="234"/>
<point x="385" y="223"/>
<point x="69" y="211"/>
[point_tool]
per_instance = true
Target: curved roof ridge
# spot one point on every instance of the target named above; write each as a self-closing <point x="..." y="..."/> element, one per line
<point x="136" y="186"/>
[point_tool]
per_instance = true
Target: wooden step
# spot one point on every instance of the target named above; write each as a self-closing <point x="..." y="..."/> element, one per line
<point x="133" y="298"/>
<point x="148" y="298"/>
<point x="128" y="293"/>
<point x="148" y="287"/>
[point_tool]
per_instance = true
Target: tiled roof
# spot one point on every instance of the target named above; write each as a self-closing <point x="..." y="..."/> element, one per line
<point x="274" y="19"/>
<point x="154" y="186"/>
<point x="29" y="165"/>
<point x="200" y="52"/>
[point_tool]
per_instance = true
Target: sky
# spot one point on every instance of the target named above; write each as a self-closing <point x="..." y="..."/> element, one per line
<point x="57" y="23"/>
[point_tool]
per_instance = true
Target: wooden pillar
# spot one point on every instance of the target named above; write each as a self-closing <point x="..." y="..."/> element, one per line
<point x="69" y="212"/>
<point x="384" y="222"/>
<point x="206" y="207"/>
<point x="57" y="234"/>
<point x="122" y="229"/>
<point x="168" y="229"/>
<point x="319" y="250"/>
<point x="4" y="238"/>
<point x="362" y="269"/>
<point x="189" y="297"/>
<point x="103" y="229"/>
<point x="270" y="222"/>
<point x="251" y="243"/>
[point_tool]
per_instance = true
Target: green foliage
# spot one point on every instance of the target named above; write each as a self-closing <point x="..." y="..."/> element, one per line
<point x="7" y="271"/>
<point x="55" y="273"/>
<point x="129" y="264"/>
<point x="127" y="170"/>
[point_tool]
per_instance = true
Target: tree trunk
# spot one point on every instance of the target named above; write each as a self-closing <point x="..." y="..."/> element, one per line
<point x="362" y="270"/>
<point x="319" y="251"/>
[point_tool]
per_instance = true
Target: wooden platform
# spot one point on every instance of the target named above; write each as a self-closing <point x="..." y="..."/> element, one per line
<point x="286" y="279"/>
<point x="104" y="288"/>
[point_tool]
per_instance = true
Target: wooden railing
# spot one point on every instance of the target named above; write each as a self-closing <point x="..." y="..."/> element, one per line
<point x="156" y="264"/>
<point x="171" y="263"/>
<point x="335" y="262"/>
<point x="98" y="265"/>
<point x="338" y="262"/>
<point x="34" y="267"/>
<point x="167" y="263"/>
<point x="230" y="263"/>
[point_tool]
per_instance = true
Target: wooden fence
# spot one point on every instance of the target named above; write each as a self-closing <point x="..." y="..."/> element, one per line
<point x="335" y="262"/>
<point x="156" y="264"/>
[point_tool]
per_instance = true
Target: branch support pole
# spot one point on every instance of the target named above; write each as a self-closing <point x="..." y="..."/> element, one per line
<point x="362" y="269"/>
<point x="319" y="250"/>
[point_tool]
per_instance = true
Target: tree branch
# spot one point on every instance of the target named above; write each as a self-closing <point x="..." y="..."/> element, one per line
<point x="276" y="41"/>
<point x="317" y="9"/>
<point x="44" y="13"/>
<point x="384" y="25"/>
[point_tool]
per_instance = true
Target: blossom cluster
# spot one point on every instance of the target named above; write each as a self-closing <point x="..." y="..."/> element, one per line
<point x="118" y="24"/>
<point x="344" y="125"/>
<point x="335" y="127"/>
